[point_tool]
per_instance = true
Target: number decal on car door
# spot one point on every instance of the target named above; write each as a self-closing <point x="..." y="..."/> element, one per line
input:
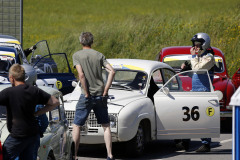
<point x="193" y="113"/>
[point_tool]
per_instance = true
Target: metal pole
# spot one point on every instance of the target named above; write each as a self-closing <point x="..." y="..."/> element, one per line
<point x="21" y="22"/>
<point x="233" y="134"/>
<point x="237" y="127"/>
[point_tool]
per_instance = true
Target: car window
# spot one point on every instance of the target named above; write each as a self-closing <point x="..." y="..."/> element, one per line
<point x="157" y="77"/>
<point x="6" y="62"/>
<point x="128" y="79"/>
<point x="42" y="49"/>
<point x="173" y="84"/>
<point x="184" y="81"/>
<point x="177" y="62"/>
<point x="219" y="66"/>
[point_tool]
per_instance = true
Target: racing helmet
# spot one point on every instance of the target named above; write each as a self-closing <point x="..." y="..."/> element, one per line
<point x="203" y="38"/>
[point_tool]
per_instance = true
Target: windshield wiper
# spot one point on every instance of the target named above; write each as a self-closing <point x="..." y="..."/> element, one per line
<point x="117" y="85"/>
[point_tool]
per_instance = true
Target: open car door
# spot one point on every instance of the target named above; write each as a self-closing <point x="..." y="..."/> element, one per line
<point x="182" y="113"/>
<point x="52" y="69"/>
<point x="236" y="79"/>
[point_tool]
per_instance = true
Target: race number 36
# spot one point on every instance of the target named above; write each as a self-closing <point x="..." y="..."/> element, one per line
<point x="191" y="113"/>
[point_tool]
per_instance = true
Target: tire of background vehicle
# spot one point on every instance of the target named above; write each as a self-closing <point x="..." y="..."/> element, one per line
<point x="135" y="146"/>
<point x="50" y="156"/>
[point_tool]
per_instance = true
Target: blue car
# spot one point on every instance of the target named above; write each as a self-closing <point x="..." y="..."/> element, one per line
<point x="42" y="67"/>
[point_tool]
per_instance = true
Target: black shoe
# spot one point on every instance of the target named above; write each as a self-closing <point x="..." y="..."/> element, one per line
<point x="204" y="148"/>
<point x="182" y="145"/>
<point x="108" y="158"/>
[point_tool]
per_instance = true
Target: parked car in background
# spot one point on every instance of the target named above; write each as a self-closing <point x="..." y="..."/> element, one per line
<point x="50" y="69"/>
<point x="147" y="102"/>
<point x="236" y="79"/>
<point x="177" y="55"/>
<point x="56" y="144"/>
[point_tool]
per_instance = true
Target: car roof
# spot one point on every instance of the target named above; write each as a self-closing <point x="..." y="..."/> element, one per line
<point x="47" y="89"/>
<point x="185" y="50"/>
<point x="137" y="64"/>
<point x="8" y="39"/>
<point x="8" y="51"/>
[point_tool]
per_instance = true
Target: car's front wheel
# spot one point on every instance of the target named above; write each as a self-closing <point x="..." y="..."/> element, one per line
<point x="135" y="147"/>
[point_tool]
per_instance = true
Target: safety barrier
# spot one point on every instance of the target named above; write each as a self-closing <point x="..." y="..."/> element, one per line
<point x="235" y="102"/>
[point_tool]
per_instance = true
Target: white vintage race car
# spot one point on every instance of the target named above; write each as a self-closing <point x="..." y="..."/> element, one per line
<point x="147" y="101"/>
<point x="57" y="140"/>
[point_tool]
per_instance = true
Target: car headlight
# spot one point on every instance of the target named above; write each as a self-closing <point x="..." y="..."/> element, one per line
<point x="113" y="120"/>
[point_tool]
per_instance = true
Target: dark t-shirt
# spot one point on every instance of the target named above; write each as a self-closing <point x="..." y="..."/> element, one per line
<point x="21" y="102"/>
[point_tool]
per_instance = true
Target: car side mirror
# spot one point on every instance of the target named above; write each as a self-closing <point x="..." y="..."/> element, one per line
<point x="219" y="94"/>
<point x="74" y="84"/>
<point x="165" y="90"/>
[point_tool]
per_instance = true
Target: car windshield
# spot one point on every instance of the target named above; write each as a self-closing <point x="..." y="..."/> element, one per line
<point x="5" y="63"/>
<point x="128" y="79"/>
<point x="3" y="112"/>
<point x="177" y="61"/>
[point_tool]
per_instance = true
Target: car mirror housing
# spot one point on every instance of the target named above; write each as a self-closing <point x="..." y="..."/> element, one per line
<point x="219" y="94"/>
<point x="165" y="90"/>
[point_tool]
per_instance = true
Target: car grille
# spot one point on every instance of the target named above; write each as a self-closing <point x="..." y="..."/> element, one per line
<point x="70" y="117"/>
<point x="91" y="122"/>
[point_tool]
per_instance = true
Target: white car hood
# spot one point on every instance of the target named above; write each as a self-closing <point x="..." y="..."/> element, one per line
<point x="118" y="99"/>
<point x="122" y="97"/>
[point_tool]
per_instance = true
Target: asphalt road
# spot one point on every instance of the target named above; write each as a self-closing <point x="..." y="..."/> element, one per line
<point x="221" y="149"/>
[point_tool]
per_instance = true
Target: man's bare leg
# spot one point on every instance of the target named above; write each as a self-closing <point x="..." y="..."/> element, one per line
<point x="108" y="139"/>
<point x="76" y="138"/>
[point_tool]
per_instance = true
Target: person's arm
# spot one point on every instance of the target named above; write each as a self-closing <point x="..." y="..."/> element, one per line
<point x="207" y="62"/>
<point x="111" y="74"/>
<point x="52" y="103"/>
<point x="82" y="80"/>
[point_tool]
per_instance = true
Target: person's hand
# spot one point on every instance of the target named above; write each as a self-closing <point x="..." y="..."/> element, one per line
<point x="33" y="47"/>
<point x="86" y="95"/>
<point x="183" y="65"/>
<point x="105" y="94"/>
<point x="193" y="51"/>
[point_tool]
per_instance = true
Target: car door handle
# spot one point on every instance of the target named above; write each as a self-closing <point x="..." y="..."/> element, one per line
<point x="214" y="102"/>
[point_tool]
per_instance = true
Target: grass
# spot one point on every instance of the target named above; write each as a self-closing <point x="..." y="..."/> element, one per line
<point x="133" y="28"/>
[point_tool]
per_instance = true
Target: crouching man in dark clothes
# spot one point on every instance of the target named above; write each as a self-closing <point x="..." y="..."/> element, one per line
<point x="20" y="101"/>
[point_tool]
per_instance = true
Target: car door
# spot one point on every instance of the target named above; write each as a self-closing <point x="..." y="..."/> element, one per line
<point x="58" y="131"/>
<point x="183" y="113"/>
<point x="52" y="69"/>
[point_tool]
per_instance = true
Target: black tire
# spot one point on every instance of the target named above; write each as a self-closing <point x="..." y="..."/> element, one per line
<point x="50" y="156"/>
<point x="135" y="147"/>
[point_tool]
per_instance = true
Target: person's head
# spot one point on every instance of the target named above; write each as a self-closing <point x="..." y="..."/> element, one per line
<point x="201" y="41"/>
<point x="16" y="73"/>
<point x="86" y="39"/>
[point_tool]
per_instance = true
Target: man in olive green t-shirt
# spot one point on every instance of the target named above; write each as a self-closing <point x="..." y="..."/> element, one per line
<point x="89" y="64"/>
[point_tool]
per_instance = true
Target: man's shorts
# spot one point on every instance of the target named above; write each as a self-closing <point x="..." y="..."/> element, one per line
<point x="85" y="105"/>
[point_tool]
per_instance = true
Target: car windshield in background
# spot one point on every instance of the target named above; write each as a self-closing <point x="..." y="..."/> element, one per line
<point x="3" y="112"/>
<point x="128" y="79"/>
<point x="5" y="63"/>
<point x="177" y="61"/>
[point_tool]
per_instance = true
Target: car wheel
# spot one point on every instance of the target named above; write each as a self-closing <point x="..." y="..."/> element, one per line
<point x="135" y="147"/>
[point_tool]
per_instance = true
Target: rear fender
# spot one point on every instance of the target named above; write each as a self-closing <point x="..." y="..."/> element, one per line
<point x="236" y="79"/>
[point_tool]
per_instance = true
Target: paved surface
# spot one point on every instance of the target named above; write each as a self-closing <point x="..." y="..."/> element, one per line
<point x="221" y="149"/>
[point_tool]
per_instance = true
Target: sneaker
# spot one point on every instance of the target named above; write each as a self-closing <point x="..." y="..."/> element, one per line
<point x="108" y="158"/>
<point x="204" y="148"/>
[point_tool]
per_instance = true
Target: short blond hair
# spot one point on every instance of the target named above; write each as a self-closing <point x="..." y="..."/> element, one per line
<point x="17" y="72"/>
